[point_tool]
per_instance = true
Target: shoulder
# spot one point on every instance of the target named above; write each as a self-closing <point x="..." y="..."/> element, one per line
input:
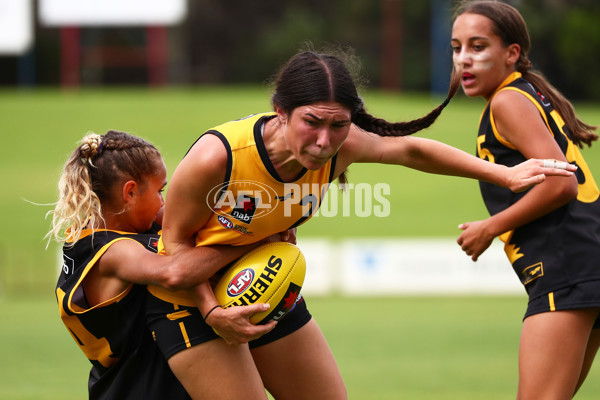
<point x="354" y="146"/>
<point x="123" y="247"/>
<point x="511" y="104"/>
<point x="519" y="120"/>
<point x="209" y="147"/>
<point x="119" y="252"/>
<point x="207" y="159"/>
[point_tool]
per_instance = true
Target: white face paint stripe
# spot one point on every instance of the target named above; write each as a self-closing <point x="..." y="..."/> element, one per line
<point x="460" y="58"/>
<point x="483" y="60"/>
<point x="479" y="61"/>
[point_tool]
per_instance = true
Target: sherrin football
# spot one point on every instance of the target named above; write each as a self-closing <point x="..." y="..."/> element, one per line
<point x="271" y="273"/>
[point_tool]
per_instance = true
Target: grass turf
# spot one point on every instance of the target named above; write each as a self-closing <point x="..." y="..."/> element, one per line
<point x="422" y="348"/>
<point x="405" y="347"/>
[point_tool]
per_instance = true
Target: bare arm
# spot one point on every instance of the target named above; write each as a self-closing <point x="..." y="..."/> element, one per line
<point x="128" y="261"/>
<point x="520" y="123"/>
<point x="187" y="211"/>
<point x="435" y="157"/>
<point x="186" y="208"/>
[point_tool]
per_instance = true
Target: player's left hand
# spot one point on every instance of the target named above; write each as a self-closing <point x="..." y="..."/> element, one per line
<point x="534" y="171"/>
<point x="474" y="239"/>
<point x="288" y="236"/>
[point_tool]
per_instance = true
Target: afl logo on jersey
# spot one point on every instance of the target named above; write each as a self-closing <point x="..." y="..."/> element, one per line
<point x="240" y="282"/>
<point x="242" y="200"/>
<point x="227" y="224"/>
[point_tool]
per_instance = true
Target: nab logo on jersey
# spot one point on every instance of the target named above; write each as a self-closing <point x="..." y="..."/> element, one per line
<point x="240" y="282"/>
<point x="244" y="208"/>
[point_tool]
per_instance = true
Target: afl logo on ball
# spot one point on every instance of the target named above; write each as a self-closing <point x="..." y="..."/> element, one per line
<point x="240" y="282"/>
<point x="225" y="222"/>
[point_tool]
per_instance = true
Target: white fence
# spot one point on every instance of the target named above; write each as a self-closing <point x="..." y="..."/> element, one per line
<point x="366" y="267"/>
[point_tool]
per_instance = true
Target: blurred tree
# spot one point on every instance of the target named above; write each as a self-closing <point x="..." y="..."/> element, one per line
<point x="565" y="43"/>
<point x="237" y="41"/>
<point x="578" y="45"/>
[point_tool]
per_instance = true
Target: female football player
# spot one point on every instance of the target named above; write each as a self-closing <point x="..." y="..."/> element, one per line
<point x="552" y="231"/>
<point x="319" y="127"/>
<point x="110" y="196"/>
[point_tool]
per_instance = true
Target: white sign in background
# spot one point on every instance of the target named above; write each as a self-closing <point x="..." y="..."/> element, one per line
<point x="367" y="267"/>
<point x="16" y="26"/>
<point x="111" y="12"/>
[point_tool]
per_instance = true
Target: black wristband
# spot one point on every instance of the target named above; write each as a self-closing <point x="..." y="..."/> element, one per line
<point x="211" y="310"/>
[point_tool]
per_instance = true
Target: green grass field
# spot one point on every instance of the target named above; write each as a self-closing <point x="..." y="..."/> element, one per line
<point x="422" y="348"/>
<point x="404" y="347"/>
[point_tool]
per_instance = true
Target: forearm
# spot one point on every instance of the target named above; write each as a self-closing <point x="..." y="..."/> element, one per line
<point x="193" y="266"/>
<point x="204" y="298"/>
<point x="438" y="158"/>
<point x="539" y="201"/>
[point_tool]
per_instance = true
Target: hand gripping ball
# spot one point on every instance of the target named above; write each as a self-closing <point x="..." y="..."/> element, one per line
<point x="271" y="273"/>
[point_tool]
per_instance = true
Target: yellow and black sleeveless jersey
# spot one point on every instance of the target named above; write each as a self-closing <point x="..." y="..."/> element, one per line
<point x="561" y="248"/>
<point x="253" y="202"/>
<point x="126" y="363"/>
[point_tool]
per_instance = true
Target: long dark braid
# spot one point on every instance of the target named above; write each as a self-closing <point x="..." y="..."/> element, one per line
<point x="384" y="128"/>
<point x="310" y="77"/>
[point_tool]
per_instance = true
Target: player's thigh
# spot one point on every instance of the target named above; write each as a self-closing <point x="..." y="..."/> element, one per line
<point x="590" y="353"/>
<point x="216" y="370"/>
<point x="552" y="352"/>
<point x="300" y="366"/>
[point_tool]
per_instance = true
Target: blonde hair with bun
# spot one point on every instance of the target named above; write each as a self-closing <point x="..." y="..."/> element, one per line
<point x="90" y="173"/>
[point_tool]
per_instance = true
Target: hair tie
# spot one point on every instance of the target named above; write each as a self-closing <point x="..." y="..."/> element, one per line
<point x="90" y="147"/>
<point x="524" y="64"/>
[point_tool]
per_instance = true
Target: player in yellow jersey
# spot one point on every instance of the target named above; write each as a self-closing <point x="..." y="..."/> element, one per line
<point x="552" y="231"/>
<point x="247" y="179"/>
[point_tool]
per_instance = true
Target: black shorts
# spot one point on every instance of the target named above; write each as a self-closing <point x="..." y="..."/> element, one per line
<point x="176" y="327"/>
<point x="578" y="296"/>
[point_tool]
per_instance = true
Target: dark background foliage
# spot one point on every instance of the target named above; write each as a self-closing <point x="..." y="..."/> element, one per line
<point x="239" y="41"/>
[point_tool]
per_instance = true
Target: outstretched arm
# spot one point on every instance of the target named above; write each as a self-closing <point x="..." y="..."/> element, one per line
<point x="438" y="158"/>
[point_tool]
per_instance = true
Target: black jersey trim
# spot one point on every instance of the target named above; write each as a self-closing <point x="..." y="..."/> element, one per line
<point x="332" y="166"/>
<point x="72" y="295"/>
<point x="229" y="167"/>
<point x="262" y="151"/>
<point x="227" y="147"/>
